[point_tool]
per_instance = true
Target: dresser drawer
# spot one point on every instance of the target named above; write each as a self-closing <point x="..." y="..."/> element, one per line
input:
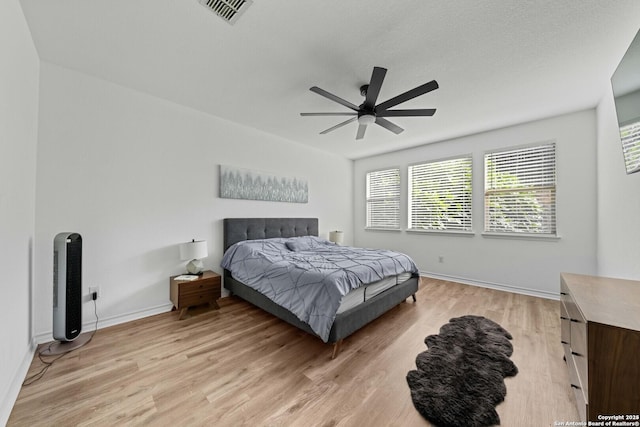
<point x="565" y="324"/>
<point x="581" y="405"/>
<point x="577" y="330"/>
<point x="579" y="338"/>
<point x="577" y="387"/>
<point x="582" y="368"/>
<point x="564" y="290"/>
<point x="572" y="309"/>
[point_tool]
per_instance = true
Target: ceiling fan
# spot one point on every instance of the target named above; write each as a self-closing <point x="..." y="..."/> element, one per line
<point x="368" y="112"/>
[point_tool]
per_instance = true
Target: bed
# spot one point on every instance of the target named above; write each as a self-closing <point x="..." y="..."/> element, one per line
<point x="347" y="321"/>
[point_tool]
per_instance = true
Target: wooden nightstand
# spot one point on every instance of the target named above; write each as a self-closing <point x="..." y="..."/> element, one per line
<point x="188" y="293"/>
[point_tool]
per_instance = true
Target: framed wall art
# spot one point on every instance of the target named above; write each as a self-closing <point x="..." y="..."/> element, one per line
<point x="238" y="183"/>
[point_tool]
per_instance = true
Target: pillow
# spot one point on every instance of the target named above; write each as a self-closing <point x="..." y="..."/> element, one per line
<point x="305" y="243"/>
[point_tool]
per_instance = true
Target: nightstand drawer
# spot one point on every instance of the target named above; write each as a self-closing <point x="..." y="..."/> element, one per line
<point x="199" y="286"/>
<point x="198" y="298"/>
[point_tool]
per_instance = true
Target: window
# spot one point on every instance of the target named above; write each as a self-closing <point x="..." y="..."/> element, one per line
<point x="630" y="136"/>
<point x="520" y="190"/>
<point x="440" y="195"/>
<point x="383" y="199"/>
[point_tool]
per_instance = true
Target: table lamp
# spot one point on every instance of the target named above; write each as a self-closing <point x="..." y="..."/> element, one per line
<point x="336" y="237"/>
<point x="194" y="251"/>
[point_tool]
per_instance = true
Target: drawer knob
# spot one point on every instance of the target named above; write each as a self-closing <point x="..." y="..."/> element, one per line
<point x="576" y="320"/>
<point x="564" y="342"/>
<point x="575" y="386"/>
<point x="576" y="354"/>
<point x="563" y="293"/>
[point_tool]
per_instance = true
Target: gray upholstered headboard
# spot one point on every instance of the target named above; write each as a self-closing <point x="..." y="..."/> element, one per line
<point x="239" y="229"/>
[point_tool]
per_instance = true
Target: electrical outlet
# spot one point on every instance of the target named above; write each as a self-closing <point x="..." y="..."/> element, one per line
<point x="440" y="259"/>
<point x="95" y="289"/>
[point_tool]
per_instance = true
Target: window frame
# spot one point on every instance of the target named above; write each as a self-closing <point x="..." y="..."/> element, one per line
<point x="468" y="157"/>
<point x="555" y="235"/>
<point x="395" y="199"/>
<point x="631" y="145"/>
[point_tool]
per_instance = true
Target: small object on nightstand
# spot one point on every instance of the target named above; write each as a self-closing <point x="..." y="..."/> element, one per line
<point x="204" y="289"/>
<point x="187" y="277"/>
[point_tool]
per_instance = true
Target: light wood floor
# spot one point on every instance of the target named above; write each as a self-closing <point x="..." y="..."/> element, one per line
<point x="241" y="366"/>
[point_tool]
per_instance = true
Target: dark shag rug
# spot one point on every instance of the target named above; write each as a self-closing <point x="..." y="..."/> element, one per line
<point x="460" y="378"/>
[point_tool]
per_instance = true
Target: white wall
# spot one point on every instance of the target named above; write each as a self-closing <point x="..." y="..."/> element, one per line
<point x="618" y="201"/>
<point x="18" y="142"/>
<point x="136" y="175"/>
<point x="625" y="110"/>
<point x="528" y="266"/>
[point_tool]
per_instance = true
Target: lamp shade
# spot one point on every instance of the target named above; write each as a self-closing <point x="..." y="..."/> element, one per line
<point x="195" y="249"/>
<point x="336" y="237"/>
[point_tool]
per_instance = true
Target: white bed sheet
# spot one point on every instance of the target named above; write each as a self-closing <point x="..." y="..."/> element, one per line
<point x="363" y="293"/>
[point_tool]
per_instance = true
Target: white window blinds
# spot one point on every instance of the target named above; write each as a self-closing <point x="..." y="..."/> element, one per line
<point x="383" y="199"/>
<point x="630" y="136"/>
<point x="520" y="190"/>
<point x="440" y="195"/>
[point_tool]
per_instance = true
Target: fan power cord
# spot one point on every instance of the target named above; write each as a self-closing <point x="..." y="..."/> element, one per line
<point x="48" y="363"/>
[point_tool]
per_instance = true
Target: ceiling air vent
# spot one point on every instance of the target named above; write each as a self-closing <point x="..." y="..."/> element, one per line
<point x="229" y="10"/>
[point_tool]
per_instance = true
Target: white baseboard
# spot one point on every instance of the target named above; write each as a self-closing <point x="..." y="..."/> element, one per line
<point x="490" y="285"/>
<point x="104" y="322"/>
<point x="16" y="384"/>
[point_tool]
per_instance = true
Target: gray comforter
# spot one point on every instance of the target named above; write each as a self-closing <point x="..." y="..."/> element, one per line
<point x="309" y="275"/>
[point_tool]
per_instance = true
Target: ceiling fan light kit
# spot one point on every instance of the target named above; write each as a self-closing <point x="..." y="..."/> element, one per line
<point x="368" y="112"/>
<point x="366" y="119"/>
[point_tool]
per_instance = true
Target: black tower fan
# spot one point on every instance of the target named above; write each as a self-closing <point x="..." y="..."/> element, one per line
<point x="67" y="286"/>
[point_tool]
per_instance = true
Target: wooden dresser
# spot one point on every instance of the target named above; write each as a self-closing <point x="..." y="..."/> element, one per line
<point x="600" y="328"/>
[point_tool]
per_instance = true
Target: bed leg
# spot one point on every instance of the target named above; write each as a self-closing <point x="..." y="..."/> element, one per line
<point x="336" y="349"/>
<point x="414" y="297"/>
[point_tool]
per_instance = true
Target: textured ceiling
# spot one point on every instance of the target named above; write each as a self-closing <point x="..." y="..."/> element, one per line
<point x="498" y="62"/>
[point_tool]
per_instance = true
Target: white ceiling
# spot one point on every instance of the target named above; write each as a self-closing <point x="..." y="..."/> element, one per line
<point x="498" y="62"/>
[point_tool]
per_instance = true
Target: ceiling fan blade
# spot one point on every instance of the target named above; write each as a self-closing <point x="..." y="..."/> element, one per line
<point x="329" y="114"/>
<point x="407" y="113"/>
<point x="388" y="125"/>
<point x="333" y="97"/>
<point x="377" y="77"/>
<point x="361" y="130"/>
<point x="410" y="94"/>
<point x="339" y="125"/>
